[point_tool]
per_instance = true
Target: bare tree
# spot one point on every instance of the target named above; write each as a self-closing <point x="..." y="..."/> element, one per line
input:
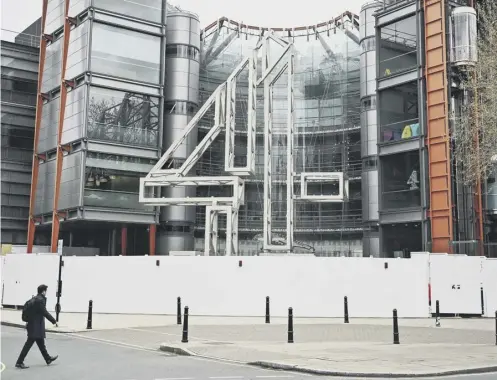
<point x="475" y="131"/>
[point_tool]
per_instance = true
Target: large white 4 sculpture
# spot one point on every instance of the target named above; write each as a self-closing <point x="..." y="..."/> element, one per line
<point x="224" y="101"/>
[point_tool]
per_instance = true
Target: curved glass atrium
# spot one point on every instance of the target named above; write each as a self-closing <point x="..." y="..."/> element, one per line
<point x="327" y="131"/>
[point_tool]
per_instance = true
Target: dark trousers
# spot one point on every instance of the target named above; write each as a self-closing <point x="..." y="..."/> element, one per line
<point x="27" y="347"/>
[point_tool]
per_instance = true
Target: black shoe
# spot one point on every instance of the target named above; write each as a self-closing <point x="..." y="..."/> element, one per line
<point x="21" y="366"/>
<point x="52" y="359"/>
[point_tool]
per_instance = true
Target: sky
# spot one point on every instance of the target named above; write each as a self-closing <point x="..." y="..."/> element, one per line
<point x="16" y="15"/>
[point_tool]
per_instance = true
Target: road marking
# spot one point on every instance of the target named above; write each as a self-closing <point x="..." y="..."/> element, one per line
<point x="117" y="344"/>
<point x="171" y="334"/>
<point x="2" y="367"/>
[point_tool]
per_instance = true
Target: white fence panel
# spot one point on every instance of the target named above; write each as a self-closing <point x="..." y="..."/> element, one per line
<point x="219" y="286"/>
<point x="456" y="283"/>
<point x="490" y="286"/>
<point x="23" y="273"/>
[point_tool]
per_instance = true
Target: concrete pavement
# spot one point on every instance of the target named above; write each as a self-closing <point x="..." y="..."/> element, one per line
<point x="84" y="358"/>
<point x="363" y="347"/>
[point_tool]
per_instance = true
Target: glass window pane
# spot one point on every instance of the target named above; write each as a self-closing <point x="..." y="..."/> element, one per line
<point x="126" y="54"/>
<point x="150" y="10"/>
<point x="398" y="46"/>
<point x="123" y="117"/>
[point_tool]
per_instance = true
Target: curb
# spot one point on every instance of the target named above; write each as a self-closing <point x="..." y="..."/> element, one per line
<point x="292" y="368"/>
<point x="176" y="350"/>
<point x="50" y="330"/>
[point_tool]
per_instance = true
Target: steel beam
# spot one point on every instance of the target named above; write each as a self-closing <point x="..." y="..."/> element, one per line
<point x="38" y="118"/>
<point x="60" y="128"/>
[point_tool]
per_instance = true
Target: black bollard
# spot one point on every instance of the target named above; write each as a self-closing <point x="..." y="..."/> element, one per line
<point x="395" y="328"/>
<point x="496" y="327"/>
<point x="267" y="310"/>
<point x="89" y="322"/>
<point x="290" y="325"/>
<point x="178" y="312"/>
<point x="345" y="310"/>
<point x="185" y="327"/>
<point x="437" y="314"/>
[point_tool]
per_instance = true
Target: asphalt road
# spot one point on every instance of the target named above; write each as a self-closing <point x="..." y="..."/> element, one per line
<point x="83" y="359"/>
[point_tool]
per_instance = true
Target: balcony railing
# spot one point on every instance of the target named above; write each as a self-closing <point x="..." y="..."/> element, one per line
<point x="405" y="198"/>
<point x="123" y="135"/>
<point x="307" y="222"/>
<point x="113" y="199"/>
<point x="401" y="130"/>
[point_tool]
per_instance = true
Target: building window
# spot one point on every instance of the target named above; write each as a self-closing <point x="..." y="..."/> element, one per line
<point x="125" y="54"/>
<point x="149" y="10"/>
<point x="368" y="44"/>
<point x="182" y="51"/>
<point x="123" y="117"/>
<point x="180" y="108"/>
<point x="398" y="47"/>
<point x="368" y="104"/>
<point x="401" y="181"/>
<point x="399" y="113"/>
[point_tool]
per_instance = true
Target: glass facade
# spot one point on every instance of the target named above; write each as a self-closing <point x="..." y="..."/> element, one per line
<point x="327" y="129"/>
<point x="399" y="113"/>
<point x="125" y="54"/>
<point x="398" y="47"/>
<point x="19" y="63"/>
<point x="123" y="117"/>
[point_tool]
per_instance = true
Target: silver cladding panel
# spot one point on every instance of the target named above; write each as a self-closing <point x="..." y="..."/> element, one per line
<point x="367" y="20"/>
<point x="369" y="129"/>
<point x="183" y="28"/>
<point x="70" y="187"/>
<point x="174" y="242"/>
<point x="182" y="87"/>
<point x="370" y="195"/>
<point x="368" y="72"/>
<point x="369" y="133"/>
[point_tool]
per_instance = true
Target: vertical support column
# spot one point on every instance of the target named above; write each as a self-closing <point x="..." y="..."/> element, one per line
<point x="39" y="110"/>
<point x="229" y="154"/>
<point x="124" y="240"/>
<point x="251" y="112"/>
<point x="234" y="223"/>
<point x="289" y="155"/>
<point x="439" y="170"/>
<point x="151" y="239"/>
<point x="268" y="141"/>
<point x="60" y="128"/>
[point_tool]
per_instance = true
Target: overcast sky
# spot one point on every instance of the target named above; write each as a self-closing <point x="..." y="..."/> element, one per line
<point x="18" y="14"/>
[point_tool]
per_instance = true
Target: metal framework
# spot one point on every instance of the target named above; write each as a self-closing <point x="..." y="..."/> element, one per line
<point x="336" y="177"/>
<point x="39" y="109"/>
<point x="438" y="126"/>
<point x="56" y="215"/>
<point x="165" y="173"/>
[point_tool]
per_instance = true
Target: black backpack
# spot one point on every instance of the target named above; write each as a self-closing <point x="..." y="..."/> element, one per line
<point x="27" y="310"/>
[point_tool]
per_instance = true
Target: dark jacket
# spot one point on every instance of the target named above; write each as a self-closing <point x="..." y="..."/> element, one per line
<point x="36" y="325"/>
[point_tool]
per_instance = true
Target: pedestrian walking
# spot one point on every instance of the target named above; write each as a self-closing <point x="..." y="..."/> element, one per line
<point x="34" y="313"/>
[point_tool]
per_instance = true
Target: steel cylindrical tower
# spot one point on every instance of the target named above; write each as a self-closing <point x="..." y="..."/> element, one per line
<point x="180" y="105"/>
<point x="369" y="129"/>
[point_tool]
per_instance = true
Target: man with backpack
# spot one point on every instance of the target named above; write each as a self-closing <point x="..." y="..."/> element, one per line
<point x="34" y="313"/>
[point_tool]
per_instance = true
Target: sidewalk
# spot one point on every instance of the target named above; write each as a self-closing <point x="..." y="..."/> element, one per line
<point x="322" y="346"/>
<point x="346" y="350"/>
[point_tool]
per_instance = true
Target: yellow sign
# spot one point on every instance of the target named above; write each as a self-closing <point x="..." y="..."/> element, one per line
<point x="6" y="249"/>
